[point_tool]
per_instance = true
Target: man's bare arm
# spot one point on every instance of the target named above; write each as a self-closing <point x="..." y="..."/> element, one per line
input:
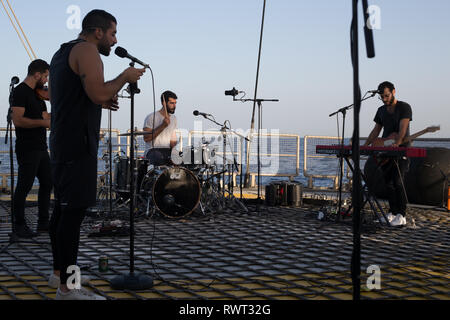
<point x="86" y="62"/>
<point x="374" y="134"/>
<point x="402" y="132"/>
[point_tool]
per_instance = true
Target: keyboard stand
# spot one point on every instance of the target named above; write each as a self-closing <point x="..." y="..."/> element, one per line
<point x="368" y="198"/>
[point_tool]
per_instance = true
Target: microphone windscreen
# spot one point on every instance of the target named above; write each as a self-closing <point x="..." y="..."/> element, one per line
<point x="121" y="52"/>
<point x="195" y="113"/>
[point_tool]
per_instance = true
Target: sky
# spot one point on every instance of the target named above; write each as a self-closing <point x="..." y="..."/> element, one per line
<point x="200" y="48"/>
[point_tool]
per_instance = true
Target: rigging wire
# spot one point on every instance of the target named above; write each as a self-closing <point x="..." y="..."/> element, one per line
<point x="23" y="33"/>
<point x="17" y="31"/>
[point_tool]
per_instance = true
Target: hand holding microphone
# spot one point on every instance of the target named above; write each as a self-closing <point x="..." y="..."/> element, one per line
<point x="133" y="75"/>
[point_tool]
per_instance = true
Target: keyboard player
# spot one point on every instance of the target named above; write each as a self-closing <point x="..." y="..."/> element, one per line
<point x="394" y="118"/>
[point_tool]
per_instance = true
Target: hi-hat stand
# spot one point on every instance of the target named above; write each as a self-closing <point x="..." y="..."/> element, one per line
<point x="341" y="159"/>
<point x="223" y="129"/>
<point x="132" y="280"/>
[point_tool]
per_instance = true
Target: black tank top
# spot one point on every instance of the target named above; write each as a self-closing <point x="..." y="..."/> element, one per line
<point x="75" y="120"/>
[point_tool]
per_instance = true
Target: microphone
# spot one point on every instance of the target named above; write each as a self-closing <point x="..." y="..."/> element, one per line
<point x="233" y="92"/>
<point x="14" y="81"/>
<point x="122" y="53"/>
<point x="197" y="113"/>
<point x="374" y="91"/>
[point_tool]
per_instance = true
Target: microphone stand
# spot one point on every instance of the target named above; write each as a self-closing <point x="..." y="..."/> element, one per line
<point x="357" y="187"/>
<point x="341" y="159"/>
<point x="259" y="102"/>
<point x="132" y="281"/>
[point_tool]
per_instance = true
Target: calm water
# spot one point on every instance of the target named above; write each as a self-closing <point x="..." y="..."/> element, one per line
<point x="285" y="164"/>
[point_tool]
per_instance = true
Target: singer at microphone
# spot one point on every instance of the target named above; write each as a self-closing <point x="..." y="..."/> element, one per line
<point x="78" y="91"/>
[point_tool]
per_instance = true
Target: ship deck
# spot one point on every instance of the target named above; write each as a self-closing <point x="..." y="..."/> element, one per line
<point x="272" y="253"/>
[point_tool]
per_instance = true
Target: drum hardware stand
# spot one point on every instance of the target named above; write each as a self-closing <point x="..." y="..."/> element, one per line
<point x="341" y="159"/>
<point x="223" y="129"/>
<point x="13" y="238"/>
<point x="132" y="280"/>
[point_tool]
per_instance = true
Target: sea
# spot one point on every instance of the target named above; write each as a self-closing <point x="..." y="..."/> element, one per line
<point x="281" y="158"/>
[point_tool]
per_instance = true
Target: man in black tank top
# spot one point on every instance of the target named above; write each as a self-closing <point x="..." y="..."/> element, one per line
<point x="77" y="94"/>
<point x="393" y="117"/>
<point x="31" y="120"/>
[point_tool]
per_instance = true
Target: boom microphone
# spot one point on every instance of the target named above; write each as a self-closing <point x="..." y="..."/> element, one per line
<point x="233" y="92"/>
<point x="122" y="53"/>
<point x="197" y="113"/>
<point x="14" y="81"/>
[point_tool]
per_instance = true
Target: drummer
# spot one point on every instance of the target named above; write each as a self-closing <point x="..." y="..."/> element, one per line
<point x="160" y="143"/>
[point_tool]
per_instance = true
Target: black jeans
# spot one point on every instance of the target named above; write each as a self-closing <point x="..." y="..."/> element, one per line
<point x="65" y="237"/>
<point x="75" y="190"/>
<point x="394" y="177"/>
<point x="32" y="164"/>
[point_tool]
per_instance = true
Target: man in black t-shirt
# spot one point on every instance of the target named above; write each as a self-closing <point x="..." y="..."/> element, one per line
<point x="394" y="117"/>
<point x="31" y="120"/>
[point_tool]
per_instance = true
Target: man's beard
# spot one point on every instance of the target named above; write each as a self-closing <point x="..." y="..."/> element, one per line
<point x="171" y="111"/>
<point x="39" y="85"/>
<point x="392" y="101"/>
<point x="104" y="48"/>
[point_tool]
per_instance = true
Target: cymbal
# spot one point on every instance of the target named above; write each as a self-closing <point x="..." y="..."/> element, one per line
<point x="136" y="133"/>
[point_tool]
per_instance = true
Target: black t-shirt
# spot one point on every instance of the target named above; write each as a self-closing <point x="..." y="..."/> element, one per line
<point x="30" y="138"/>
<point x="391" y="121"/>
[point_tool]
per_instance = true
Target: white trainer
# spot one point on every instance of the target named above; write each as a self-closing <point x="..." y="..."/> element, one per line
<point x="398" y="221"/>
<point x="78" y="294"/>
<point x="54" y="280"/>
<point x="389" y="217"/>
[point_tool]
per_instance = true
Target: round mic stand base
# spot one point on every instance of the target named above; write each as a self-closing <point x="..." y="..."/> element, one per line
<point x="132" y="281"/>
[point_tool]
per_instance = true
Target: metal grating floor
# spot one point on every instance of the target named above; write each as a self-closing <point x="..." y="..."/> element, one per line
<point x="279" y="253"/>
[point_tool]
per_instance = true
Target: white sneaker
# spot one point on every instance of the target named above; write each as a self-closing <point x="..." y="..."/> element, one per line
<point x="389" y="217"/>
<point x="399" y="220"/>
<point x="54" y="280"/>
<point x="78" y="294"/>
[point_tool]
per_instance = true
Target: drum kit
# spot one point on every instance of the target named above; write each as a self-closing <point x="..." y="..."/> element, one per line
<point x="190" y="181"/>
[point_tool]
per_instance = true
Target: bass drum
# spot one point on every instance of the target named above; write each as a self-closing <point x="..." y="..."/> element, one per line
<point x="174" y="191"/>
